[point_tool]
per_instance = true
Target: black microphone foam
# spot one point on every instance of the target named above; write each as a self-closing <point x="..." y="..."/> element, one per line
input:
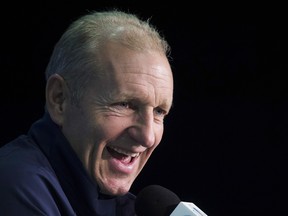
<point x="155" y="200"/>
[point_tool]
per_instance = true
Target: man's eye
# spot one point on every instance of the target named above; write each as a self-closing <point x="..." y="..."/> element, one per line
<point x="122" y="105"/>
<point x="160" y="112"/>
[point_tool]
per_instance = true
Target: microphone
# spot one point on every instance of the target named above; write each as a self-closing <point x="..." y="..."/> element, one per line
<point x="155" y="200"/>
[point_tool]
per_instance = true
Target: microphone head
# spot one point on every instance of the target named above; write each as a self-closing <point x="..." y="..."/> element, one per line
<point x="155" y="200"/>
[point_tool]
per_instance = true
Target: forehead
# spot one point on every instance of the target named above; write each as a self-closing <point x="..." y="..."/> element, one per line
<point x="137" y="73"/>
<point x="121" y="61"/>
<point x="144" y="86"/>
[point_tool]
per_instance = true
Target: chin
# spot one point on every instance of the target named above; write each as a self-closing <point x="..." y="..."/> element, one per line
<point x="115" y="190"/>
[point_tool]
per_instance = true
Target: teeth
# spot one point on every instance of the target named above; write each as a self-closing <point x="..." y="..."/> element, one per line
<point x="121" y="151"/>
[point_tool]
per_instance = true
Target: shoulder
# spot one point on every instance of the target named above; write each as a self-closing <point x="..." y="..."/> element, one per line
<point x="22" y="164"/>
<point x="20" y="156"/>
<point x="27" y="181"/>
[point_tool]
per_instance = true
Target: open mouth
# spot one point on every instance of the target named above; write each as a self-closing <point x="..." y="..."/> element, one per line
<point x="122" y="155"/>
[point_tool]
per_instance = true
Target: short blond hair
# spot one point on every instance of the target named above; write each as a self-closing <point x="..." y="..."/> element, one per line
<point x="75" y="55"/>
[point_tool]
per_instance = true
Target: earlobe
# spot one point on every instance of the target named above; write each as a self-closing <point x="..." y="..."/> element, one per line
<point x="56" y="94"/>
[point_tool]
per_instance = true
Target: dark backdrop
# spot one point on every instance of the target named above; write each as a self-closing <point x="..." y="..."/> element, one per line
<point x="224" y="143"/>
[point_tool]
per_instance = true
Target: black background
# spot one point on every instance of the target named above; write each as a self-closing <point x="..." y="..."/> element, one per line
<point x="224" y="142"/>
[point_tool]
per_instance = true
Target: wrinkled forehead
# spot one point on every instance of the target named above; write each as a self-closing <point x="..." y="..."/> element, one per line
<point x="149" y="79"/>
<point x="137" y="73"/>
<point x="120" y="61"/>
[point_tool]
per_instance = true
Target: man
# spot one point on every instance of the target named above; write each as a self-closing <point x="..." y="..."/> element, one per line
<point x="109" y="87"/>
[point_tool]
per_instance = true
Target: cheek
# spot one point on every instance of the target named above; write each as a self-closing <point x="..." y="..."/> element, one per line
<point x="113" y="125"/>
<point x="78" y="127"/>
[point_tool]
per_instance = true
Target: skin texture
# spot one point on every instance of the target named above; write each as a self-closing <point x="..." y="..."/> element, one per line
<point x="123" y="110"/>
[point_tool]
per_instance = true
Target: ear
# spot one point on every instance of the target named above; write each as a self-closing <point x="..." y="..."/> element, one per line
<point x="56" y="97"/>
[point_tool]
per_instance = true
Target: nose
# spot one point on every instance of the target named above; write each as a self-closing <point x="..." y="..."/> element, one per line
<point x="143" y="131"/>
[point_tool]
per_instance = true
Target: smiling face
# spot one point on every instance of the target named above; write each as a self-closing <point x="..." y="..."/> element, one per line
<point x="119" y="121"/>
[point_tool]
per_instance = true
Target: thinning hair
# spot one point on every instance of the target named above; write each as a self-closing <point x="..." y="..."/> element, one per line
<point x="76" y="56"/>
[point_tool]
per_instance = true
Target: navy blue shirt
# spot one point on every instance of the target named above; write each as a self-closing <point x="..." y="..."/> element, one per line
<point x="40" y="174"/>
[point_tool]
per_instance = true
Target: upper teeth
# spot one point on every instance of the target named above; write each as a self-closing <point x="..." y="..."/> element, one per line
<point x="124" y="152"/>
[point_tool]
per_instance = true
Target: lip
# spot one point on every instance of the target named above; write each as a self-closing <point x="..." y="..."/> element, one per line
<point x="122" y="165"/>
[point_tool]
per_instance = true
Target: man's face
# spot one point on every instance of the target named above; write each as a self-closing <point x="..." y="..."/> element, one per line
<point x="119" y="121"/>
